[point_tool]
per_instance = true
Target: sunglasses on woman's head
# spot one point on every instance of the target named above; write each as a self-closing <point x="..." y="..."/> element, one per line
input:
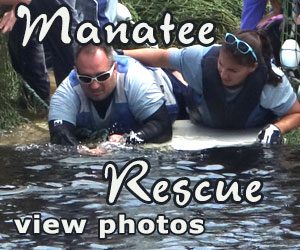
<point x="242" y="46"/>
<point x="101" y="77"/>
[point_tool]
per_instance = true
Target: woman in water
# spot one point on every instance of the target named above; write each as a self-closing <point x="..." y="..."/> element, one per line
<point x="233" y="85"/>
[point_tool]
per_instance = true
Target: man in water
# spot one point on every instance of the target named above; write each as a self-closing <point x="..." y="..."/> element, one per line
<point x="136" y="104"/>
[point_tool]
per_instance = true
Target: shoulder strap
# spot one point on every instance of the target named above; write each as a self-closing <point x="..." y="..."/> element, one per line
<point x="233" y="114"/>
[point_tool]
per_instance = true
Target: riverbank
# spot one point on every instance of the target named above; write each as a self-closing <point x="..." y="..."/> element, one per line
<point x="34" y="128"/>
<point x="33" y="132"/>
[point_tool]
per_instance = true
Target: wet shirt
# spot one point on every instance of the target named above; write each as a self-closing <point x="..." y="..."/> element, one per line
<point x="277" y="99"/>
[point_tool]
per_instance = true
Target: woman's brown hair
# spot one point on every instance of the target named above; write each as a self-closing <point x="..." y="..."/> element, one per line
<point x="262" y="47"/>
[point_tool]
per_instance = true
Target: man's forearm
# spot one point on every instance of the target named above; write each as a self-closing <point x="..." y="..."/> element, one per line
<point x="62" y="132"/>
<point x="157" y="128"/>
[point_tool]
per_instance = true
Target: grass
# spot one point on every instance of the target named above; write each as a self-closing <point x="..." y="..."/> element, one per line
<point x="293" y="137"/>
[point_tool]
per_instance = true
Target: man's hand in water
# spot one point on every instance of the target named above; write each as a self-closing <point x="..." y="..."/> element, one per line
<point x="81" y="149"/>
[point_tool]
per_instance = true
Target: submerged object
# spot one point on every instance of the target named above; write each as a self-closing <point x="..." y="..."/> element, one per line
<point x="290" y="54"/>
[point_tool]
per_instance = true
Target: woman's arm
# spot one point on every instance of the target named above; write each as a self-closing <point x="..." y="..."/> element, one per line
<point x="276" y="10"/>
<point x="150" y="57"/>
<point x="291" y="120"/>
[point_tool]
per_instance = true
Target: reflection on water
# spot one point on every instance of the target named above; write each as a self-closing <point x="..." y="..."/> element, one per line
<point x="58" y="183"/>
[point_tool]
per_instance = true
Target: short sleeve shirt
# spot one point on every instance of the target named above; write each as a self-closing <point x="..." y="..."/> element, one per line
<point x="278" y="99"/>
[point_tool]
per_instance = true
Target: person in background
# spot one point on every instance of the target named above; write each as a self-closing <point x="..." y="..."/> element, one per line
<point x="100" y="12"/>
<point x="29" y="61"/>
<point x="233" y="85"/>
<point x="107" y="11"/>
<point x="136" y="104"/>
<point x="7" y="21"/>
<point x="253" y="13"/>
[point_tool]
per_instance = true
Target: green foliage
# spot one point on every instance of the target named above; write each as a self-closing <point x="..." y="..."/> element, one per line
<point x="293" y="137"/>
<point x="224" y="13"/>
<point x="10" y="89"/>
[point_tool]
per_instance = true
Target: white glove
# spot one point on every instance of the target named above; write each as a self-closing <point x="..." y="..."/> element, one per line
<point x="270" y="135"/>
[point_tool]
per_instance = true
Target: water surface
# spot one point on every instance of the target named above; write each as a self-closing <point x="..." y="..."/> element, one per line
<point x="56" y="182"/>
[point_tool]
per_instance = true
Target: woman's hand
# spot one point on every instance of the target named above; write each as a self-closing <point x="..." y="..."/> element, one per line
<point x="270" y="135"/>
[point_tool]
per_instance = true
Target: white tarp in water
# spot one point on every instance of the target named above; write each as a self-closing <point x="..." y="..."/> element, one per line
<point x="188" y="136"/>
